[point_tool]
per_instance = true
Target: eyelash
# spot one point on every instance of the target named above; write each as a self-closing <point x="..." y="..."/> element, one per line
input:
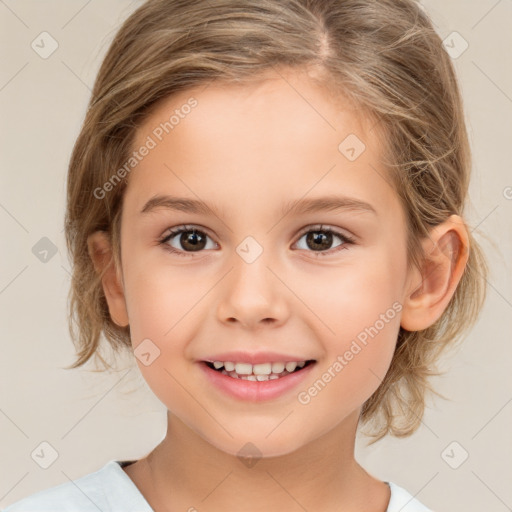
<point x="347" y="240"/>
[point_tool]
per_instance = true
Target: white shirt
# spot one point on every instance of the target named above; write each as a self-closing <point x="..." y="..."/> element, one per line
<point x="110" y="489"/>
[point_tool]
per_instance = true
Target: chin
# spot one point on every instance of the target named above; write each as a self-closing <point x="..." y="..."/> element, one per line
<point x="253" y="447"/>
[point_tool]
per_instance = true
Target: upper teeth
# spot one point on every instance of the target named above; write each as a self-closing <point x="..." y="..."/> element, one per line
<point x="258" y="369"/>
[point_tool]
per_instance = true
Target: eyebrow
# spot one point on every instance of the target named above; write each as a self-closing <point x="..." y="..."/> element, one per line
<point x="312" y="205"/>
<point x="327" y="203"/>
<point x="182" y="204"/>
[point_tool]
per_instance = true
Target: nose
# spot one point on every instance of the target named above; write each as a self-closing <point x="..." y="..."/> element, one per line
<point x="253" y="295"/>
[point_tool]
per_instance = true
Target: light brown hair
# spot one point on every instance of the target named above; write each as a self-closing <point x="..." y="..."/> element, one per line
<point x="383" y="55"/>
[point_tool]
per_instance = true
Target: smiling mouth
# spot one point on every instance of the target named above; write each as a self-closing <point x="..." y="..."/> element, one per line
<point x="259" y="372"/>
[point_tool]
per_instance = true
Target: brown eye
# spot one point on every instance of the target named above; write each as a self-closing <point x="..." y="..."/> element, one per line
<point x="189" y="240"/>
<point x="320" y="241"/>
<point x="192" y="240"/>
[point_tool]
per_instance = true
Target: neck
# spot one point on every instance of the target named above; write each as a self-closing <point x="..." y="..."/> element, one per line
<point x="186" y="471"/>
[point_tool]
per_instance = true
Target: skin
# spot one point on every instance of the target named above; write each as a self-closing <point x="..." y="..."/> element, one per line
<point x="248" y="150"/>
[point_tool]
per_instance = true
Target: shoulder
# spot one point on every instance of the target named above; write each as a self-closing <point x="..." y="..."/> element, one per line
<point x="403" y="501"/>
<point x="106" y="489"/>
<point x="84" y="494"/>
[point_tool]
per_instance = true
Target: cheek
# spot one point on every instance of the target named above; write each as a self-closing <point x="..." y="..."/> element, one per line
<point x="352" y="297"/>
<point x="356" y="359"/>
<point x="357" y="314"/>
<point x="165" y="311"/>
<point x="163" y="318"/>
<point x="161" y="301"/>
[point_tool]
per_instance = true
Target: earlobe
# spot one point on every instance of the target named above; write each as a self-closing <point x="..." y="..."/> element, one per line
<point x="430" y="289"/>
<point x="100" y="252"/>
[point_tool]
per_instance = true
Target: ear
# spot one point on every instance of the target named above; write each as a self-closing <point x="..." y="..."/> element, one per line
<point x="100" y="251"/>
<point x="430" y="288"/>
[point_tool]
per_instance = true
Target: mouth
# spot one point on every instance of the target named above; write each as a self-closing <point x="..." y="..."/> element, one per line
<point x="259" y="372"/>
<point x="259" y="382"/>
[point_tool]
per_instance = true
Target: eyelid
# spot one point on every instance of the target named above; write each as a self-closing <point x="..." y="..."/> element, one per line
<point x="347" y="239"/>
<point x="185" y="227"/>
<point x="176" y="230"/>
<point x="327" y="227"/>
<point x="320" y="227"/>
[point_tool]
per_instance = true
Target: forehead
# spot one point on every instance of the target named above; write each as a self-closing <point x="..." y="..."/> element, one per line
<point x="260" y="106"/>
<point x="277" y="137"/>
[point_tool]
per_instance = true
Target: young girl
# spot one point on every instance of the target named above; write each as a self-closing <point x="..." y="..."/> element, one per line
<point x="265" y="204"/>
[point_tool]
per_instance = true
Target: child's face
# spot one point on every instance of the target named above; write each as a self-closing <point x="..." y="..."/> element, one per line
<point x="248" y="152"/>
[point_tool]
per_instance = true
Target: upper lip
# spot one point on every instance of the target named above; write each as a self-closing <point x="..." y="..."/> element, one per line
<point x="255" y="357"/>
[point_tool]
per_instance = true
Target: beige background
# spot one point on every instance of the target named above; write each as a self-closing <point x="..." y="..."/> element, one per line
<point x="90" y="418"/>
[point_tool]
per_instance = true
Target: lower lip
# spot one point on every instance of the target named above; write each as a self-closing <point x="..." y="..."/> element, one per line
<point x="255" y="391"/>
